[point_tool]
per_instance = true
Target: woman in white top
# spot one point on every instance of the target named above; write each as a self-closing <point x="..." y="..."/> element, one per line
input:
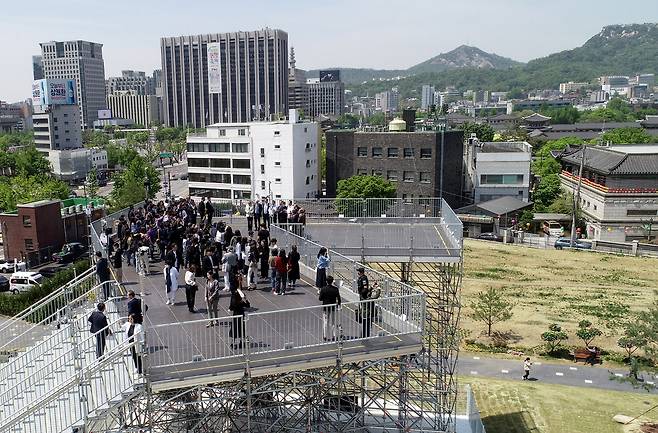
<point x="190" y="287"/>
<point x="135" y="332"/>
<point x="171" y="280"/>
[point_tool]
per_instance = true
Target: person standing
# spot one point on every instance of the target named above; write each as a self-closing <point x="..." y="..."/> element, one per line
<point x="252" y="272"/>
<point x="210" y="212"/>
<point x="266" y="213"/>
<point x="366" y="306"/>
<point x="171" y="281"/>
<point x="527" y="365"/>
<point x="135" y="333"/>
<point x="103" y="274"/>
<point x="321" y="269"/>
<point x="117" y="261"/>
<point x="281" y="265"/>
<point x="237" y="306"/>
<point x="229" y="266"/>
<point x="99" y="327"/>
<point x="330" y="298"/>
<point x="249" y="211"/>
<point x="264" y="254"/>
<point x="190" y="287"/>
<point x="135" y="307"/>
<point x="202" y="211"/>
<point x="258" y="213"/>
<point x="212" y="299"/>
<point x="293" y="266"/>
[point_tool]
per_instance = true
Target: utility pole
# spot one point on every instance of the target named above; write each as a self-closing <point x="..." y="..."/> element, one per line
<point x="576" y="198"/>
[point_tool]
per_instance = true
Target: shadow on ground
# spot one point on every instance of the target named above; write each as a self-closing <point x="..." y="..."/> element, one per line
<point x="515" y="422"/>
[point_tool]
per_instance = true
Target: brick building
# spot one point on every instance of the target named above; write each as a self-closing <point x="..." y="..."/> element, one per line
<point x="421" y="164"/>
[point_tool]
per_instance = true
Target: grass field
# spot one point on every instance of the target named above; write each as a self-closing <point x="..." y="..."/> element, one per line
<point x="529" y="407"/>
<point x="553" y="286"/>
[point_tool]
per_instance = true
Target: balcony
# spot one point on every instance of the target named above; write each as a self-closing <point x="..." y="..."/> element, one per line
<point x="606" y="190"/>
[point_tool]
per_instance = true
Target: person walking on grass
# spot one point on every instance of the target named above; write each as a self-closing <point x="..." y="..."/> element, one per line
<point x="526" y="368"/>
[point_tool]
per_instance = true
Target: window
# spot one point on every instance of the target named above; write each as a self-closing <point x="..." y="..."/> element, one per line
<point x="242" y="195"/>
<point x="308" y="180"/>
<point x="361" y="172"/>
<point x="392" y="175"/>
<point x="424" y="177"/>
<point x="241" y="163"/>
<point x="262" y="184"/>
<point x="242" y="179"/>
<point x="198" y="177"/>
<point x="242" y="131"/>
<point x="27" y="221"/>
<point x="376" y="172"/>
<point x="277" y="163"/>
<point x="197" y="147"/>
<point x="501" y="179"/>
<point x="220" y="163"/>
<point x="262" y="152"/>
<point x="222" y="132"/>
<point x="362" y="151"/>
<point x="377" y="152"/>
<point x="408" y="176"/>
<point x="425" y="153"/>
<point x="305" y="129"/>
<point x="392" y="152"/>
<point x="240" y="148"/>
<point x="277" y="180"/>
<point x="220" y="178"/>
<point x="262" y="169"/>
<point x="629" y="212"/>
<point x="197" y="162"/>
<point x="277" y="146"/>
<point x="408" y="152"/>
<point x="277" y="133"/>
<point x="219" y="147"/>
<point x="29" y="245"/>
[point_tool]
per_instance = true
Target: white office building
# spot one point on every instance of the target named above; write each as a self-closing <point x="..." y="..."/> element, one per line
<point x="251" y="160"/>
<point x="129" y="104"/>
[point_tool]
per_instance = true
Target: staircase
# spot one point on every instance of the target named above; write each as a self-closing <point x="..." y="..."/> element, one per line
<point x="53" y="382"/>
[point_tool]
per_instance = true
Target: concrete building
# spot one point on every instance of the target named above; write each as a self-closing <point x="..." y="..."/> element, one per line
<point x="326" y="95"/>
<point x="537" y="104"/>
<point x="619" y="191"/>
<point x="255" y="159"/>
<point x="571" y="87"/>
<point x="57" y="127"/>
<point x="135" y="81"/>
<point x="81" y="61"/>
<point x="387" y="101"/>
<point x="615" y="84"/>
<point x="141" y="109"/>
<point x="297" y="87"/>
<point x="224" y="77"/>
<point x="37" y="68"/>
<point x="421" y="164"/>
<point x="427" y="97"/>
<point x="498" y="169"/>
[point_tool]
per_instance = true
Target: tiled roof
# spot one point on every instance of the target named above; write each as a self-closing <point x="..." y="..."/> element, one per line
<point x="607" y="161"/>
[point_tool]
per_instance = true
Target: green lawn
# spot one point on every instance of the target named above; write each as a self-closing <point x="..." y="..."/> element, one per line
<point x="530" y="407"/>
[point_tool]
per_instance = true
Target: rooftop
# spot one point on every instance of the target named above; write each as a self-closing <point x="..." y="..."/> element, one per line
<point x="615" y="160"/>
<point x="505" y="147"/>
<point x="496" y="207"/>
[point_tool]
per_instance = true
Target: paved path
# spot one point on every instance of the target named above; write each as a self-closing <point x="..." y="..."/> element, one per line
<point x="575" y="374"/>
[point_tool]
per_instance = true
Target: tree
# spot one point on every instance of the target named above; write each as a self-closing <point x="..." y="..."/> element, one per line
<point x="130" y="186"/>
<point x="547" y="191"/>
<point x="377" y="119"/>
<point x="347" y="121"/>
<point x="139" y="138"/>
<point x="30" y="162"/>
<point x="491" y="307"/>
<point x="587" y="332"/>
<point x="26" y="189"/>
<point x="365" y="187"/>
<point x="484" y="131"/>
<point x="554" y="337"/>
<point x="635" y="336"/>
<point x="91" y="186"/>
<point x="627" y="136"/>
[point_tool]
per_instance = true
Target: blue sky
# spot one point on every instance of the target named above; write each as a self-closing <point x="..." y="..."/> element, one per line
<point x="361" y="33"/>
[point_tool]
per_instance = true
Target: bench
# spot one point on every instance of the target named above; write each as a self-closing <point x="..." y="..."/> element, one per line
<point x="587" y="356"/>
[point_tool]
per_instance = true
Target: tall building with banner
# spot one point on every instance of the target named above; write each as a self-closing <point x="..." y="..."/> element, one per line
<point x="224" y="77"/>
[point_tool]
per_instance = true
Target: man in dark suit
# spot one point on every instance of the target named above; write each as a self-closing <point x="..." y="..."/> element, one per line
<point x="210" y="263"/>
<point x="210" y="211"/>
<point x="99" y="327"/>
<point x="135" y="307"/>
<point x="103" y="274"/>
<point x="330" y="298"/>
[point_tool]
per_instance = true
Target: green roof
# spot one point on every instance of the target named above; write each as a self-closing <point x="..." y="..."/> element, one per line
<point x="97" y="202"/>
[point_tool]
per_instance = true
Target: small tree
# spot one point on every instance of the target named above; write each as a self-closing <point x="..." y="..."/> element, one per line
<point x="587" y="332"/>
<point x="554" y="337"/>
<point x="91" y="186"/>
<point x="635" y="336"/>
<point x="491" y="307"/>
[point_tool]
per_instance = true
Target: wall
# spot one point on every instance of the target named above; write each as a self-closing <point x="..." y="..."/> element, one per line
<point x="46" y="229"/>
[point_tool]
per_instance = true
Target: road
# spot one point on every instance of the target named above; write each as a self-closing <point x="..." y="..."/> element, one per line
<point x="563" y="374"/>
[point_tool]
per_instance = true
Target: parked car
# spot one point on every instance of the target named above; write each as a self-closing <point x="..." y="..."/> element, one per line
<point x="490" y="236"/>
<point x="24" y="281"/>
<point x="9" y="266"/>
<point x="69" y="252"/>
<point x="50" y="271"/>
<point x="553" y="228"/>
<point x="580" y="244"/>
<point x="4" y="284"/>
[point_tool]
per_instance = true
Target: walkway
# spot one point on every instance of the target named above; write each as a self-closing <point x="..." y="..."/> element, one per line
<point x="576" y="374"/>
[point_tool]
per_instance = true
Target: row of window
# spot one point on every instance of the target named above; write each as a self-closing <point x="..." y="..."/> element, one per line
<point x="394" y="152"/>
<point x="220" y="193"/>
<point x="501" y="179"/>
<point x="219" y="163"/>
<point x="239" y="179"/>
<point x="218" y="147"/>
<point x="393" y="175"/>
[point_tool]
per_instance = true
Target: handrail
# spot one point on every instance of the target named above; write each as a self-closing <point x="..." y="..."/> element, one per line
<point x="47" y="298"/>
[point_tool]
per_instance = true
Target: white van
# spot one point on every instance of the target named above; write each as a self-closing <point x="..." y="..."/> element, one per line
<point x="24" y="281"/>
<point x="553" y="228"/>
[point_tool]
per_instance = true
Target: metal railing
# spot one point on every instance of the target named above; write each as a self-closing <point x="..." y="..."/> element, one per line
<point x="279" y="330"/>
<point x="47" y="311"/>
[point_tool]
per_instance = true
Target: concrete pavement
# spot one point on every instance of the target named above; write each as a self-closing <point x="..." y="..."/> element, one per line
<point x="576" y="374"/>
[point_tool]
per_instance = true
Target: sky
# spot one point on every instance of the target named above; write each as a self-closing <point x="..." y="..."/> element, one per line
<point x="381" y="34"/>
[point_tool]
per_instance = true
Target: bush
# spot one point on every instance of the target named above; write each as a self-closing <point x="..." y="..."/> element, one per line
<point x="11" y="305"/>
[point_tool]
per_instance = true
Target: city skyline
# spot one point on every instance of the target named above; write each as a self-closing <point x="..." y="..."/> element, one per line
<point x="323" y="36"/>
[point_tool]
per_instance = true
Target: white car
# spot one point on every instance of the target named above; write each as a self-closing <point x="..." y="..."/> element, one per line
<point x="24" y="281"/>
<point x="10" y="266"/>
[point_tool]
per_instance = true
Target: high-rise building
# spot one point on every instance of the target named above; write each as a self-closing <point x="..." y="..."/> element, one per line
<point x="427" y="97"/>
<point x="387" y="101"/>
<point x="224" y="77"/>
<point x="37" y="67"/>
<point x="141" y="109"/>
<point x="297" y="87"/>
<point x="81" y="61"/>
<point x="325" y="98"/>
<point x="135" y="81"/>
<point x="250" y="160"/>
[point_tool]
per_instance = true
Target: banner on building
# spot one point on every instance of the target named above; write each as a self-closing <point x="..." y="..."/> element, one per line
<point x="104" y="114"/>
<point x="214" y="68"/>
<point x="53" y="92"/>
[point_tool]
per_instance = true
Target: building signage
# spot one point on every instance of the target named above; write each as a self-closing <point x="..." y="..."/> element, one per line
<point x="53" y="92"/>
<point x="214" y="68"/>
<point x="104" y="114"/>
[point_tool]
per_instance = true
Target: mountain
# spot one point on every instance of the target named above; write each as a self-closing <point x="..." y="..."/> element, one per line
<point x="464" y="56"/>
<point x="615" y="50"/>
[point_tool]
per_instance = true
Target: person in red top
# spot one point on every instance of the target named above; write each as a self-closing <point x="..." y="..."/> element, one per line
<point x="281" y="266"/>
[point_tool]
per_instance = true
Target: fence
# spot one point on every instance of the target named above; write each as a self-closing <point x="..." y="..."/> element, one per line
<point x="468" y="415"/>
